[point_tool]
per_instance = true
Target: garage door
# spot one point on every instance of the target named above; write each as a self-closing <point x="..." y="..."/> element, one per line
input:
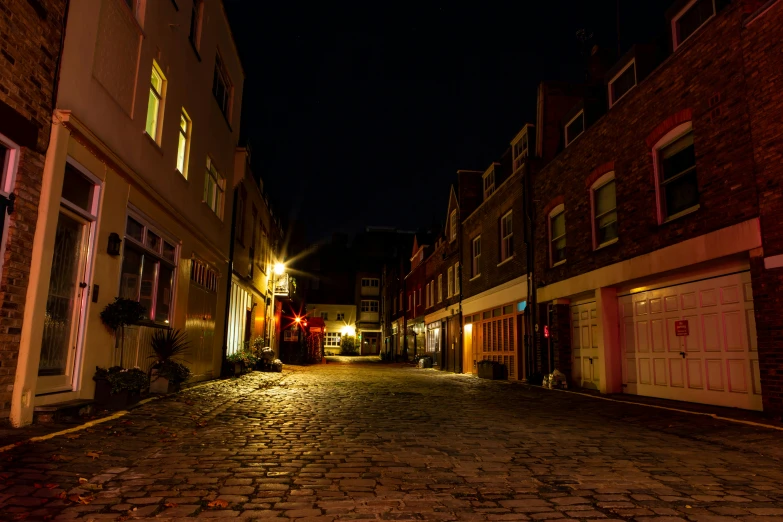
<point x="585" y="340"/>
<point x="713" y="360"/>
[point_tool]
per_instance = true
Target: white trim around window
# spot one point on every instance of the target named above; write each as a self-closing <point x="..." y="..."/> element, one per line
<point x="9" y="161"/>
<point x="561" y="237"/>
<point x="506" y="237"/>
<point x="669" y="138"/>
<point x="475" y="268"/>
<point x="607" y="219"/>
<point x="676" y="41"/>
<point x="570" y="140"/>
<point x="614" y="79"/>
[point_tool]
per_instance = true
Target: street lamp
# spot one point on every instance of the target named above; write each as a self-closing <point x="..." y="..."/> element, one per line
<point x="279" y="268"/>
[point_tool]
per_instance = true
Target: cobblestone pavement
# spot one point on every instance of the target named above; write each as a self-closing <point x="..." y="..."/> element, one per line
<point x="391" y="442"/>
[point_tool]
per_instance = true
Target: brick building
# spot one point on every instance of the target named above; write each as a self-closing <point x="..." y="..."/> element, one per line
<point x="30" y="49"/>
<point x="414" y="340"/>
<point x="647" y="224"/>
<point x="494" y="263"/>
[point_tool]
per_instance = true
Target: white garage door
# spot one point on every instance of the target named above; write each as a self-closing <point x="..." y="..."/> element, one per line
<point x="716" y="363"/>
<point x="585" y="340"/>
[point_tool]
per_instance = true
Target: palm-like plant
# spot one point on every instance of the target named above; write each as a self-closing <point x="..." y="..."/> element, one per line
<point x="169" y="344"/>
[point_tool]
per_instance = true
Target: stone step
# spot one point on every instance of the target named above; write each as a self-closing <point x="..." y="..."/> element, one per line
<point x="63" y="411"/>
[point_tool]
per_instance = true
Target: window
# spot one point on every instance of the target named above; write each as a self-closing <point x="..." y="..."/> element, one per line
<point x="394" y="306"/>
<point x="456" y="279"/>
<point x="427" y="295"/>
<point x="370" y="306"/>
<point x="450" y="282"/>
<point x="409" y="301"/>
<point x="678" y="189"/>
<point x="222" y="88"/>
<point x="475" y="269"/>
<point x="506" y="237"/>
<point x="557" y="235"/>
<point x="332" y="338"/>
<point x="440" y="287"/>
<point x="241" y="197"/>
<point x="252" y="250"/>
<point x="264" y="250"/>
<point x="155" y="103"/>
<point x="688" y="21"/>
<point x="291" y="335"/>
<point x="149" y="263"/>
<point x="622" y="82"/>
<point x="183" y="147"/>
<point x="453" y="231"/>
<point x="401" y="301"/>
<point x="604" y="210"/>
<point x="489" y="183"/>
<point x="419" y="303"/>
<point x="9" y="155"/>
<point x="214" y="185"/>
<point x="203" y="275"/>
<point x="340" y="316"/>
<point x="370" y="283"/>
<point x="520" y="150"/>
<point x="574" y="128"/>
<point x="196" y="15"/>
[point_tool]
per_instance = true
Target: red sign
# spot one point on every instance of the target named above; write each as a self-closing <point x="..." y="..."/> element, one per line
<point x="315" y="329"/>
<point x="680" y="328"/>
<point x="546" y="331"/>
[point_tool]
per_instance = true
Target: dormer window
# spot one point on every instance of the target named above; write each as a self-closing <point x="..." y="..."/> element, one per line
<point x="489" y="183"/>
<point x="574" y="127"/>
<point x="690" y="19"/>
<point x="622" y="82"/>
<point x="520" y="147"/>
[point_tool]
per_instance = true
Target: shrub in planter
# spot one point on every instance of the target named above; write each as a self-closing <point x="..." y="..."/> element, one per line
<point x="348" y="346"/>
<point x="242" y="361"/>
<point x="119" y="314"/>
<point x="167" y="374"/>
<point x="116" y="387"/>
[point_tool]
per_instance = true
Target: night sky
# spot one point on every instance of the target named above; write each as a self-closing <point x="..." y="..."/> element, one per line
<point x="361" y="115"/>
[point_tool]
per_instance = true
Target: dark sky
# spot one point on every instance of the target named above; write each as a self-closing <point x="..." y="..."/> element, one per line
<point x="361" y="115"/>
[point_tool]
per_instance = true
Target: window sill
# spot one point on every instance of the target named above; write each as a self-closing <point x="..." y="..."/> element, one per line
<point x="509" y="258"/>
<point x="559" y="263"/>
<point x="607" y="243"/>
<point x="153" y="143"/>
<point x="680" y="214"/>
<point x="474" y="277"/>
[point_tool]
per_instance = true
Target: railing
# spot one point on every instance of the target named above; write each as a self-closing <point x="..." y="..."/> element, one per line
<point x="138" y="348"/>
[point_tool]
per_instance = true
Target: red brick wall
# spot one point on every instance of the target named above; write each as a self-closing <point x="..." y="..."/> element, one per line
<point x="486" y="221"/>
<point x="762" y="45"/>
<point x="708" y="64"/>
<point x="30" y="32"/>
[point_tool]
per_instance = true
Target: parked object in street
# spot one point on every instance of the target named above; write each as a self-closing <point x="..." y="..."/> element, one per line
<point x="117" y="387"/>
<point x="556" y="379"/>
<point x="492" y="370"/>
<point x="425" y="362"/>
<point x="168" y="374"/>
<point x="266" y="358"/>
<point x="277" y="365"/>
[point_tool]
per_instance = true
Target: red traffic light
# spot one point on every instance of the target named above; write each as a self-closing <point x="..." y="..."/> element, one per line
<point x="546" y="331"/>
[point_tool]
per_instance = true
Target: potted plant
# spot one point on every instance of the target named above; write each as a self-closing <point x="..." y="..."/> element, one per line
<point x="167" y="374"/>
<point x="241" y="360"/>
<point x="119" y="314"/>
<point x="117" y="387"/>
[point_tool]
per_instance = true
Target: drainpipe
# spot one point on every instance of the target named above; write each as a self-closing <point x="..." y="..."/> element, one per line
<point x="228" y="281"/>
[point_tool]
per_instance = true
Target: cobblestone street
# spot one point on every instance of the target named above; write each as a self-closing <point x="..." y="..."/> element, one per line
<point x="367" y="442"/>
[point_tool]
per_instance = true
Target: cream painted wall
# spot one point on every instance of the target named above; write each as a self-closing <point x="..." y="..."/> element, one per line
<point x="332" y="325"/>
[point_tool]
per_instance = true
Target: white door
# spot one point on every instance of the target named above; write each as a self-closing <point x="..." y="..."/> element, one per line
<point x="715" y="363"/>
<point x="585" y="340"/>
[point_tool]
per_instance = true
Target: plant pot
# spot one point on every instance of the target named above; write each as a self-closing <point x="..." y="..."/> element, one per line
<point x="114" y="401"/>
<point x="162" y="384"/>
<point x="237" y="369"/>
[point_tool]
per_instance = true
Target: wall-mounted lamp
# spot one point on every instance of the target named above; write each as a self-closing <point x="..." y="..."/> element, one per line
<point x="113" y="249"/>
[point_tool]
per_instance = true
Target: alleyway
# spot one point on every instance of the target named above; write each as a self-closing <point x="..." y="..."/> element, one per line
<point x="358" y="442"/>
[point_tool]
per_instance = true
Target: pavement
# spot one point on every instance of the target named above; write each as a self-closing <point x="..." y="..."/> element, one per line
<point x="391" y="442"/>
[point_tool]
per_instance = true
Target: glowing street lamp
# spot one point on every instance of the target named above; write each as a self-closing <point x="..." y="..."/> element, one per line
<point x="279" y="268"/>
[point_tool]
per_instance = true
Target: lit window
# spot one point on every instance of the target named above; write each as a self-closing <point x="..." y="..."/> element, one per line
<point x="155" y="103"/>
<point x="183" y="147"/>
<point x="332" y="338"/>
<point x="222" y="88"/>
<point x="604" y="210"/>
<point x="453" y="234"/>
<point x="340" y="316"/>
<point x="690" y="18"/>
<point x="370" y="283"/>
<point x="557" y="235"/>
<point x="440" y="287"/>
<point x="678" y="188"/>
<point x="574" y="128"/>
<point x="196" y="15"/>
<point x="149" y="264"/>
<point x="475" y="269"/>
<point x="450" y="282"/>
<point x="506" y="237"/>
<point x="489" y="183"/>
<point x="622" y="82"/>
<point x="214" y="185"/>
<point x="456" y="279"/>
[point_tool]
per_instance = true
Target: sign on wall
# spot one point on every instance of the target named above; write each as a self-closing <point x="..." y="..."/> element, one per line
<point x="681" y="328"/>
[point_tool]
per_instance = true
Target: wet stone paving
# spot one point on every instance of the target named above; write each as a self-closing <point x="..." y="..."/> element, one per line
<point x="392" y="442"/>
